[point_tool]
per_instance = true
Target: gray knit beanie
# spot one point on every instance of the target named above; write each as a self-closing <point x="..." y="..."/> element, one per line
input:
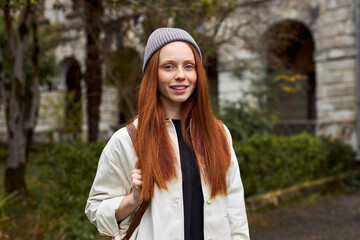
<point x="162" y="36"/>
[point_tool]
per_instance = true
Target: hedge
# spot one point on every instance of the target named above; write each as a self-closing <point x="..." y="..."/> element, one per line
<point x="270" y="162"/>
<point x="70" y="169"/>
<point x="267" y="163"/>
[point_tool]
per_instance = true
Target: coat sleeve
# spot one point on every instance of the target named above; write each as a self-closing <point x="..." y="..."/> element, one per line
<point x="111" y="184"/>
<point x="235" y="202"/>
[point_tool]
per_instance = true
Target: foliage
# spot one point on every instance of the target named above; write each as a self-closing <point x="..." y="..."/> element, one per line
<point x="126" y="65"/>
<point x="270" y="162"/>
<point x="5" y="200"/>
<point x="203" y="19"/>
<point x="70" y="169"/>
<point x="124" y="71"/>
<point x="48" y="67"/>
<point x="48" y="40"/>
<point x="21" y="65"/>
<point x="73" y="120"/>
<point x="243" y="120"/>
<point x="339" y="154"/>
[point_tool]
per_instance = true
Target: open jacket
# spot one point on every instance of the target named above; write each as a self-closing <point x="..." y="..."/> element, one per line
<point x="224" y="216"/>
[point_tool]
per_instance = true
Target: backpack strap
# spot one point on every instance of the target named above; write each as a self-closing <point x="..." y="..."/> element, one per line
<point x="137" y="218"/>
<point x="132" y="131"/>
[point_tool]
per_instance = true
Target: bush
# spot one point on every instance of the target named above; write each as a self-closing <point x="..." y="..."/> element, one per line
<point x="5" y="200"/>
<point x="271" y="162"/>
<point x="70" y="169"/>
<point x="244" y="121"/>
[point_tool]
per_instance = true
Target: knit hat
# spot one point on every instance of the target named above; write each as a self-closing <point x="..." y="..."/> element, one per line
<point x="162" y="36"/>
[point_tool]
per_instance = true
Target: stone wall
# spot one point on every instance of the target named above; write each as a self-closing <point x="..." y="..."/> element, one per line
<point x="335" y="69"/>
<point x="332" y="25"/>
<point x="50" y="124"/>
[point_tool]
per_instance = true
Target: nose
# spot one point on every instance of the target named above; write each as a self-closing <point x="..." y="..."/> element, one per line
<point x="180" y="75"/>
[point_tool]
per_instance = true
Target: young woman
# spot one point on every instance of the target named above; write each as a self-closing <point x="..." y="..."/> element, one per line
<point x="182" y="161"/>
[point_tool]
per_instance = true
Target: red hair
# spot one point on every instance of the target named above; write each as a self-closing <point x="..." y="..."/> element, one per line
<point x="153" y="147"/>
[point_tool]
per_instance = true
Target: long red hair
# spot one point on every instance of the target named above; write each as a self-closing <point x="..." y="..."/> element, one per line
<point x="153" y="147"/>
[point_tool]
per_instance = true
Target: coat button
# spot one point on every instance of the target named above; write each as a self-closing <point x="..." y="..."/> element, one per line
<point x="209" y="200"/>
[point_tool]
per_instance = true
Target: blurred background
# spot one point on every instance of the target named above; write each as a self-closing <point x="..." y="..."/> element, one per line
<point x="283" y="76"/>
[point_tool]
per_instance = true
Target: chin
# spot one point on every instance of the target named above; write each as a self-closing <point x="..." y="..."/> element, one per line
<point x="181" y="100"/>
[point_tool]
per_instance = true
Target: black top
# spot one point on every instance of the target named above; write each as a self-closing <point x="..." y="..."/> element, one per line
<point x="192" y="192"/>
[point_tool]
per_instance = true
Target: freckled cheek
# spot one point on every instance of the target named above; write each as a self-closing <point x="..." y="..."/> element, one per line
<point x="163" y="79"/>
<point x="192" y="77"/>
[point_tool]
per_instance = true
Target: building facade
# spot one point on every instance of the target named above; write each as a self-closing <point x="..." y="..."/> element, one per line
<point x="312" y="40"/>
<point x="307" y="45"/>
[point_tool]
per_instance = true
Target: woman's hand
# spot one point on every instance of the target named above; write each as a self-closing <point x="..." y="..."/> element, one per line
<point x="136" y="183"/>
<point x="133" y="200"/>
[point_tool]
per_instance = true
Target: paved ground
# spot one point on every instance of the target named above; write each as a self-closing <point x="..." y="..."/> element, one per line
<point x="329" y="217"/>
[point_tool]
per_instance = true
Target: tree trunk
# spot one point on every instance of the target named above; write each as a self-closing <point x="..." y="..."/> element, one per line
<point x="20" y="95"/>
<point x="93" y="76"/>
<point x="16" y="161"/>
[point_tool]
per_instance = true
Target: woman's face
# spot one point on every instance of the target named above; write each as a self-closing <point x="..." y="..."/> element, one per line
<point x="176" y="74"/>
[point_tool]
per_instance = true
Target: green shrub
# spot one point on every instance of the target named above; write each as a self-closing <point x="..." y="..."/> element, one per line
<point x="244" y="121"/>
<point x="339" y="154"/>
<point x="70" y="169"/>
<point x="5" y="200"/>
<point x="270" y="162"/>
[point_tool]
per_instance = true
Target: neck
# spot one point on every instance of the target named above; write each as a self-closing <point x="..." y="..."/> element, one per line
<point x="172" y="111"/>
<point x="172" y="114"/>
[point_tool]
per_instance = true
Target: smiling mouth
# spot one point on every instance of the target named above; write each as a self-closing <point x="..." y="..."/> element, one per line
<point x="179" y="88"/>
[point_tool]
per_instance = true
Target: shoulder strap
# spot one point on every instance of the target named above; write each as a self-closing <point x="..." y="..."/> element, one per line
<point x="137" y="218"/>
<point x="132" y="131"/>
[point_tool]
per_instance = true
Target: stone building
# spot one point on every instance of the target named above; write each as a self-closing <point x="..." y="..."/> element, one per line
<point x="310" y="38"/>
<point x="308" y="43"/>
<point x="55" y="110"/>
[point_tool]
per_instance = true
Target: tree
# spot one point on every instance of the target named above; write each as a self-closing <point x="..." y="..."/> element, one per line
<point x="208" y="21"/>
<point x="124" y="72"/>
<point x="24" y="66"/>
<point x="205" y="20"/>
<point x="19" y="91"/>
<point x="150" y="15"/>
<point x="93" y="11"/>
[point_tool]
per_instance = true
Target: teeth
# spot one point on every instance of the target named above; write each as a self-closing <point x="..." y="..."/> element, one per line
<point x="179" y="88"/>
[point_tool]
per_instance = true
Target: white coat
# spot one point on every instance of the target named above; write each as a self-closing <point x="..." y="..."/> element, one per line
<point x="224" y="216"/>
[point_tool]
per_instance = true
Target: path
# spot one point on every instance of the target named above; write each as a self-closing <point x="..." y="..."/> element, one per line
<point x="327" y="218"/>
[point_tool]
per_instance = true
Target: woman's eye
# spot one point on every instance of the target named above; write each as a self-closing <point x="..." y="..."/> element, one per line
<point x="168" y="67"/>
<point x="189" y="67"/>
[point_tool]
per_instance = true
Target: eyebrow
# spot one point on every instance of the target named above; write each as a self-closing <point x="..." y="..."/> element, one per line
<point x="173" y="61"/>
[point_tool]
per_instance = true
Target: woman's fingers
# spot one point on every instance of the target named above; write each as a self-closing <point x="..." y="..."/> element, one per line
<point x="136" y="174"/>
<point x="137" y="184"/>
<point x="136" y="177"/>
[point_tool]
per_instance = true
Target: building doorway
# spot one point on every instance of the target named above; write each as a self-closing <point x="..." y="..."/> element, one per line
<point x="290" y="68"/>
<point x="73" y="110"/>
